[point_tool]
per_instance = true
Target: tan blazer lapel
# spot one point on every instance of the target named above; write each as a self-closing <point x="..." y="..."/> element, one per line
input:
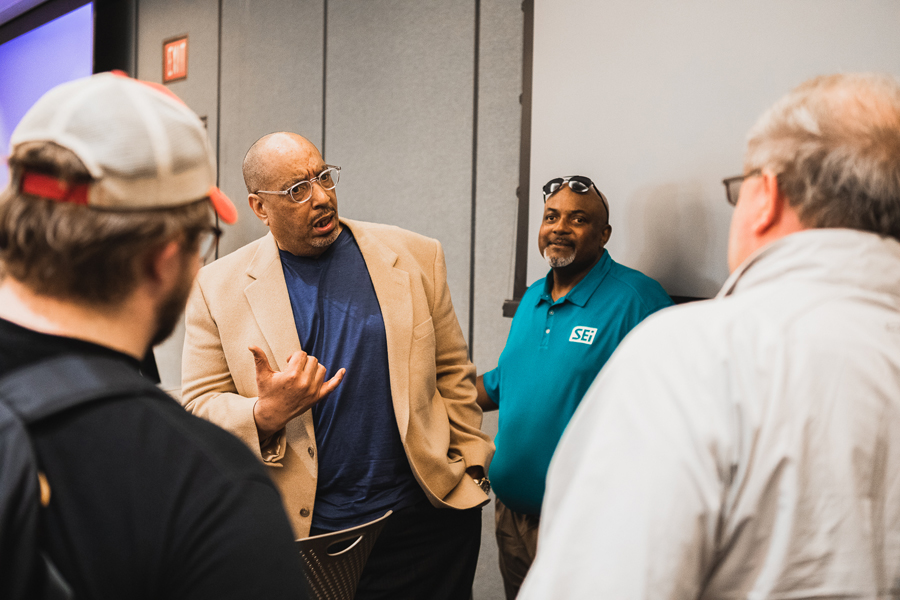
<point x="392" y="288"/>
<point x="271" y="307"/>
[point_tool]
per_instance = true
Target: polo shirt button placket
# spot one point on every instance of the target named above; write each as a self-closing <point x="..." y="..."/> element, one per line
<point x="545" y="340"/>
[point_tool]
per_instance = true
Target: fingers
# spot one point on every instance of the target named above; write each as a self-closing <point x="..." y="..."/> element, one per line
<point x="301" y="372"/>
<point x="330" y="385"/>
<point x="297" y="361"/>
<point x="311" y="368"/>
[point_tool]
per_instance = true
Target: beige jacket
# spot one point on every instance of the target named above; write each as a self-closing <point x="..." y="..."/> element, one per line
<point x="242" y="300"/>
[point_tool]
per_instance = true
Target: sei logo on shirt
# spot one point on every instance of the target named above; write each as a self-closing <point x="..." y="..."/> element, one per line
<point x="583" y="335"/>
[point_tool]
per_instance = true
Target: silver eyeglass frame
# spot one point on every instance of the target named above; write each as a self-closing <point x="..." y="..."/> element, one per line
<point x="290" y="191"/>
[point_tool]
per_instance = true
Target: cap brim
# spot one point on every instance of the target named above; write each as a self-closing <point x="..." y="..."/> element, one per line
<point x="223" y="206"/>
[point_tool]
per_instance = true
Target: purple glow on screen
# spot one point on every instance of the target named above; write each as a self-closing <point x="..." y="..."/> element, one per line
<point x="34" y="62"/>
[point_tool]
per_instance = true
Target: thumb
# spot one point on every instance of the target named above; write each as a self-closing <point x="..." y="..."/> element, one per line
<point x="263" y="369"/>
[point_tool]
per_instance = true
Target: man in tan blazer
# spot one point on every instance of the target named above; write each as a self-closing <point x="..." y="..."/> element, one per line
<point x="396" y="427"/>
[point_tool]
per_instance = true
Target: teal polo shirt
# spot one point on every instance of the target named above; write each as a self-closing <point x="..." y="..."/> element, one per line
<point x="552" y="355"/>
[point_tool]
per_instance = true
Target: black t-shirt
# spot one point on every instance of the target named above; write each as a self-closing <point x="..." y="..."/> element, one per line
<point x="148" y="501"/>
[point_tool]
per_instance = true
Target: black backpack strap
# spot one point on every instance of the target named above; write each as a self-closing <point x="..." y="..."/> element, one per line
<point x="20" y="561"/>
<point x="28" y="395"/>
<point x="57" y="384"/>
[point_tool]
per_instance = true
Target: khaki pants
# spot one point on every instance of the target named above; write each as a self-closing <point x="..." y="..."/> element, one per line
<point x="517" y="536"/>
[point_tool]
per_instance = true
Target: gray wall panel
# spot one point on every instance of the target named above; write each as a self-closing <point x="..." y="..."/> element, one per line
<point x="499" y="85"/>
<point x="271" y="81"/>
<point x="399" y="114"/>
<point x="497" y="175"/>
<point x="158" y="21"/>
<point x="163" y="19"/>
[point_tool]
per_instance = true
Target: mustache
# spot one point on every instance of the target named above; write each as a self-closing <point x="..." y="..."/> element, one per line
<point x="323" y="214"/>
<point x="561" y="242"/>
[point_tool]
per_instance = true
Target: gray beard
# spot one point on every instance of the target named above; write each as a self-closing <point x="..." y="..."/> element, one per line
<point x="558" y="262"/>
<point x="324" y="242"/>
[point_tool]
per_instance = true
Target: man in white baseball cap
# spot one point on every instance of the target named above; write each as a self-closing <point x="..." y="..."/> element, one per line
<point x="106" y="220"/>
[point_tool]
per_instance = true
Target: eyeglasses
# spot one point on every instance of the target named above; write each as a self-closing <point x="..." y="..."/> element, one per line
<point x="733" y="185"/>
<point x="208" y="241"/>
<point x="301" y="191"/>
<point x="577" y="183"/>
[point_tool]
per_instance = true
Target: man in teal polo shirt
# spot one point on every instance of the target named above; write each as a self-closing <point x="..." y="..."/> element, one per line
<point x="565" y="329"/>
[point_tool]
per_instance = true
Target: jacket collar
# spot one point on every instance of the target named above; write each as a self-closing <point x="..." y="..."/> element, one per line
<point x="266" y="254"/>
<point x="394" y="292"/>
<point x="841" y="256"/>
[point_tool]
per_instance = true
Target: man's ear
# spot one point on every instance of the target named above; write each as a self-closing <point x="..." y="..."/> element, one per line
<point x="607" y="232"/>
<point x="163" y="264"/>
<point x="160" y="259"/>
<point x="258" y="208"/>
<point x="770" y="205"/>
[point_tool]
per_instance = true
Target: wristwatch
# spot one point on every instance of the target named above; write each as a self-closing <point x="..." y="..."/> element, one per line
<point x="484" y="483"/>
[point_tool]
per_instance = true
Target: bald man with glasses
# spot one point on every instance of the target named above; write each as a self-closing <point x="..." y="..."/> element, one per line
<point x="331" y="348"/>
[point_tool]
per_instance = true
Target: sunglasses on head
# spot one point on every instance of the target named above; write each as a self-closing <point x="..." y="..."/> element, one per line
<point x="577" y="183"/>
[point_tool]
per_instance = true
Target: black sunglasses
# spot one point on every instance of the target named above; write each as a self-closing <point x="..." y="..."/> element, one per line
<point x="577" y="183"/>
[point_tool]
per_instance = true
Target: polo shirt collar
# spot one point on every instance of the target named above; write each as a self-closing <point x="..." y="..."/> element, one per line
<point x="584" y="289"/>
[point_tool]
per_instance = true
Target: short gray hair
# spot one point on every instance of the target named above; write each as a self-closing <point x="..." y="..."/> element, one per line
<point x="834" y="143"/>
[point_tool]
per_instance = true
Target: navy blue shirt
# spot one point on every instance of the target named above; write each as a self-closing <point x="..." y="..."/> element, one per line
<point x="553" y="353"/>
<point x="363" y="469"/>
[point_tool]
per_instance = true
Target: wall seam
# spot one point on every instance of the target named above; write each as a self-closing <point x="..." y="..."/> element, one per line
<point x="520" y="282"/>
<point x="137" y="10"/>
<point x="324" y="67"/>
<point x="218" y="112"/>
<point x="472" y="240"/>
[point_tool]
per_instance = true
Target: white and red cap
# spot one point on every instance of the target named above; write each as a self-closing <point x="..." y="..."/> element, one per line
<point x="143" y="147"/>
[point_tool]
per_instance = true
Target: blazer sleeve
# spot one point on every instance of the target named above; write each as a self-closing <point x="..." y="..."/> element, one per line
<point x="208" y="389"/>
<point x="456" y="376"/>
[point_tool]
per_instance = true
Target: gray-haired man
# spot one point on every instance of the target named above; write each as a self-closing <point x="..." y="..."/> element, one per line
<point x="748" y="447"/>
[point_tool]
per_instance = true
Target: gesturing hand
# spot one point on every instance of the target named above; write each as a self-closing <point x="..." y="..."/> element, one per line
<point x="285" y="394"/>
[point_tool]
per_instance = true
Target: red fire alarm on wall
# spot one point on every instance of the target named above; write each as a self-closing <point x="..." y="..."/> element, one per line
<point x="175" y="58"/>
